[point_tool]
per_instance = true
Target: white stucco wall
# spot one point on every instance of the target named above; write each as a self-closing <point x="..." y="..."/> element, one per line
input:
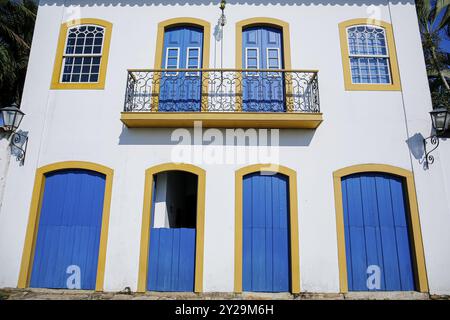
<point x="358" y="127"/>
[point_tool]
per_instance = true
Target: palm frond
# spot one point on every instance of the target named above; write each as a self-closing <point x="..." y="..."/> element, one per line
<point x="445" y="21"/>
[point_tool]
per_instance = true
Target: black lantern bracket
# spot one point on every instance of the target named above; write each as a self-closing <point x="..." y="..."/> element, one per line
<point x="19" y="143"/>
<point x="434" y="142"/>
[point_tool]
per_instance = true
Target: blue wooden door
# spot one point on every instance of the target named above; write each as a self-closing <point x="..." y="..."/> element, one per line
<point x="378" y="249"/>
<point x="183" y="49"/>
<point x="68" y="237"/>
<point x="171" y="265"/>
<point x="262" y="48"/>
<point x="266" y="252"/>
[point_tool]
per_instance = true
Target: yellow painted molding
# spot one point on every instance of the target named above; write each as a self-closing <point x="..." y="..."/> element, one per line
<point x="395" y="74"/>
<point x="35" y="208"/>
<point x="181" y="21"/>
<point x="221" y="119"/>
<point x="293" y="219"/>
<point x="146" y="221"/>
<point x="57" y="68"/>
<point x="264" y="21"/>
<point x="271" y="22"/>
<point x="415" y="229"/>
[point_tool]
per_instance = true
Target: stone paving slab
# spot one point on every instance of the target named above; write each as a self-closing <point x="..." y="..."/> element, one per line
<point x="52" y="294"/>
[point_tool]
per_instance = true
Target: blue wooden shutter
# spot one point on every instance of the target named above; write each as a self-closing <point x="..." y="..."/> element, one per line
<point x="69" y="228"/>
<point x="263" y="91"/>
<point x="181" y="91"/>
<point x="266" y="233"/>
<point x="376" y="231"/>
<point x="171" y="260"/>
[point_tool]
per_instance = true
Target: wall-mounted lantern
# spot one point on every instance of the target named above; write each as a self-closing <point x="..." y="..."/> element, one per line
<point x="12" y="117"/>
<point x="440" y="118"/>
<point x="223" y="18"/>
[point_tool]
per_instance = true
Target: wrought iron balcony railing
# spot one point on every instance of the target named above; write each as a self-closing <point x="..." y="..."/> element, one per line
<point x="222" y="90"/>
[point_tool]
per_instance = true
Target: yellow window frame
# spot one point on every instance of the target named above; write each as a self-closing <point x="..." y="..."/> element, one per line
<point x="395" y="84"/>
<point x="57" y="69"/>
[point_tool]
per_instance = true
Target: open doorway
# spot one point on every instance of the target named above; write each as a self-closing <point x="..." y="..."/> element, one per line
<point x="175" y="200"/>
<point x="173" y="232"/>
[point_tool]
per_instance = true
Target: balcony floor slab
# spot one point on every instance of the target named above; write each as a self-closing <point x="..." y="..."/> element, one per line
<point x="222" y="120"/>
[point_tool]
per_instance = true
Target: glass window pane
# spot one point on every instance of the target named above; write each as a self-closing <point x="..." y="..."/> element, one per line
<point x="252" y="63"/>
<point x="172" y="61"/>
<point x="173" y="53"/>
<point x="66" y="78"/>
<point x="193" y="63"/>
<point x="193" y="53"/>
<point x="273" y="54"/>
<point x="98" y="41"/>
<point x="95" y="69"/>
<point x="97" y="50"/>
<point x="70" y="50"/>
<point x="75" y="78"/>
<point x="82" y="40"/>
<point x="78" y="50"/>
<point x="252" y="58"/>
<point x="252" y="53"/>
<point x="366" y="45"/>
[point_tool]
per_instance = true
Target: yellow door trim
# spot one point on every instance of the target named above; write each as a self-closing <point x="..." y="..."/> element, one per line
<point x="293" y="220"/>
<point x="271" y="22"/>
<point x="35" y="209"/>
<point x="146" y="221"/>
<point x="181" y="21"/>
<point x="415" y="230"/>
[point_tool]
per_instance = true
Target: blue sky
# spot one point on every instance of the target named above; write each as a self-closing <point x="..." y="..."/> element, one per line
<point x="445" y="45"/>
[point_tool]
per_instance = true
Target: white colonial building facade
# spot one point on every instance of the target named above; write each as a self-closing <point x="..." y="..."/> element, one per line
<point x="279" y="149"/>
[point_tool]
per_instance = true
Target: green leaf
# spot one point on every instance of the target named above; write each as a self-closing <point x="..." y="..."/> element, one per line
<point x="441" y="4"/>
<point x="445" y="21"/>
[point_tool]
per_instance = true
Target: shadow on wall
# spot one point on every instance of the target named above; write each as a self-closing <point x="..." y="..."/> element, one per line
<point x="209" y="2"/>
<point x="216" y="137"/>
<point x="417" y="147"/>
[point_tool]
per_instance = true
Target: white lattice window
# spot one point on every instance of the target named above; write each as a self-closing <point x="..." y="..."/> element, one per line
<point x="368" y="54"/>
<point x="83" y="54"/>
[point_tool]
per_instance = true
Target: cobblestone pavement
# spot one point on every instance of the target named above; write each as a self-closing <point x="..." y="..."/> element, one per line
<point x="51" y="294"/>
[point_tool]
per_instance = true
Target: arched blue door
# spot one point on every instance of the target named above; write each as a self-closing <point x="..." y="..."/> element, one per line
<point x="171" y="265"/>
<point x="183" y="49"/>
<point x="377" y="244"/>
<point x="68" y="238"/>
<point x="266" y="251"/>
<point x="262" y="48"/>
